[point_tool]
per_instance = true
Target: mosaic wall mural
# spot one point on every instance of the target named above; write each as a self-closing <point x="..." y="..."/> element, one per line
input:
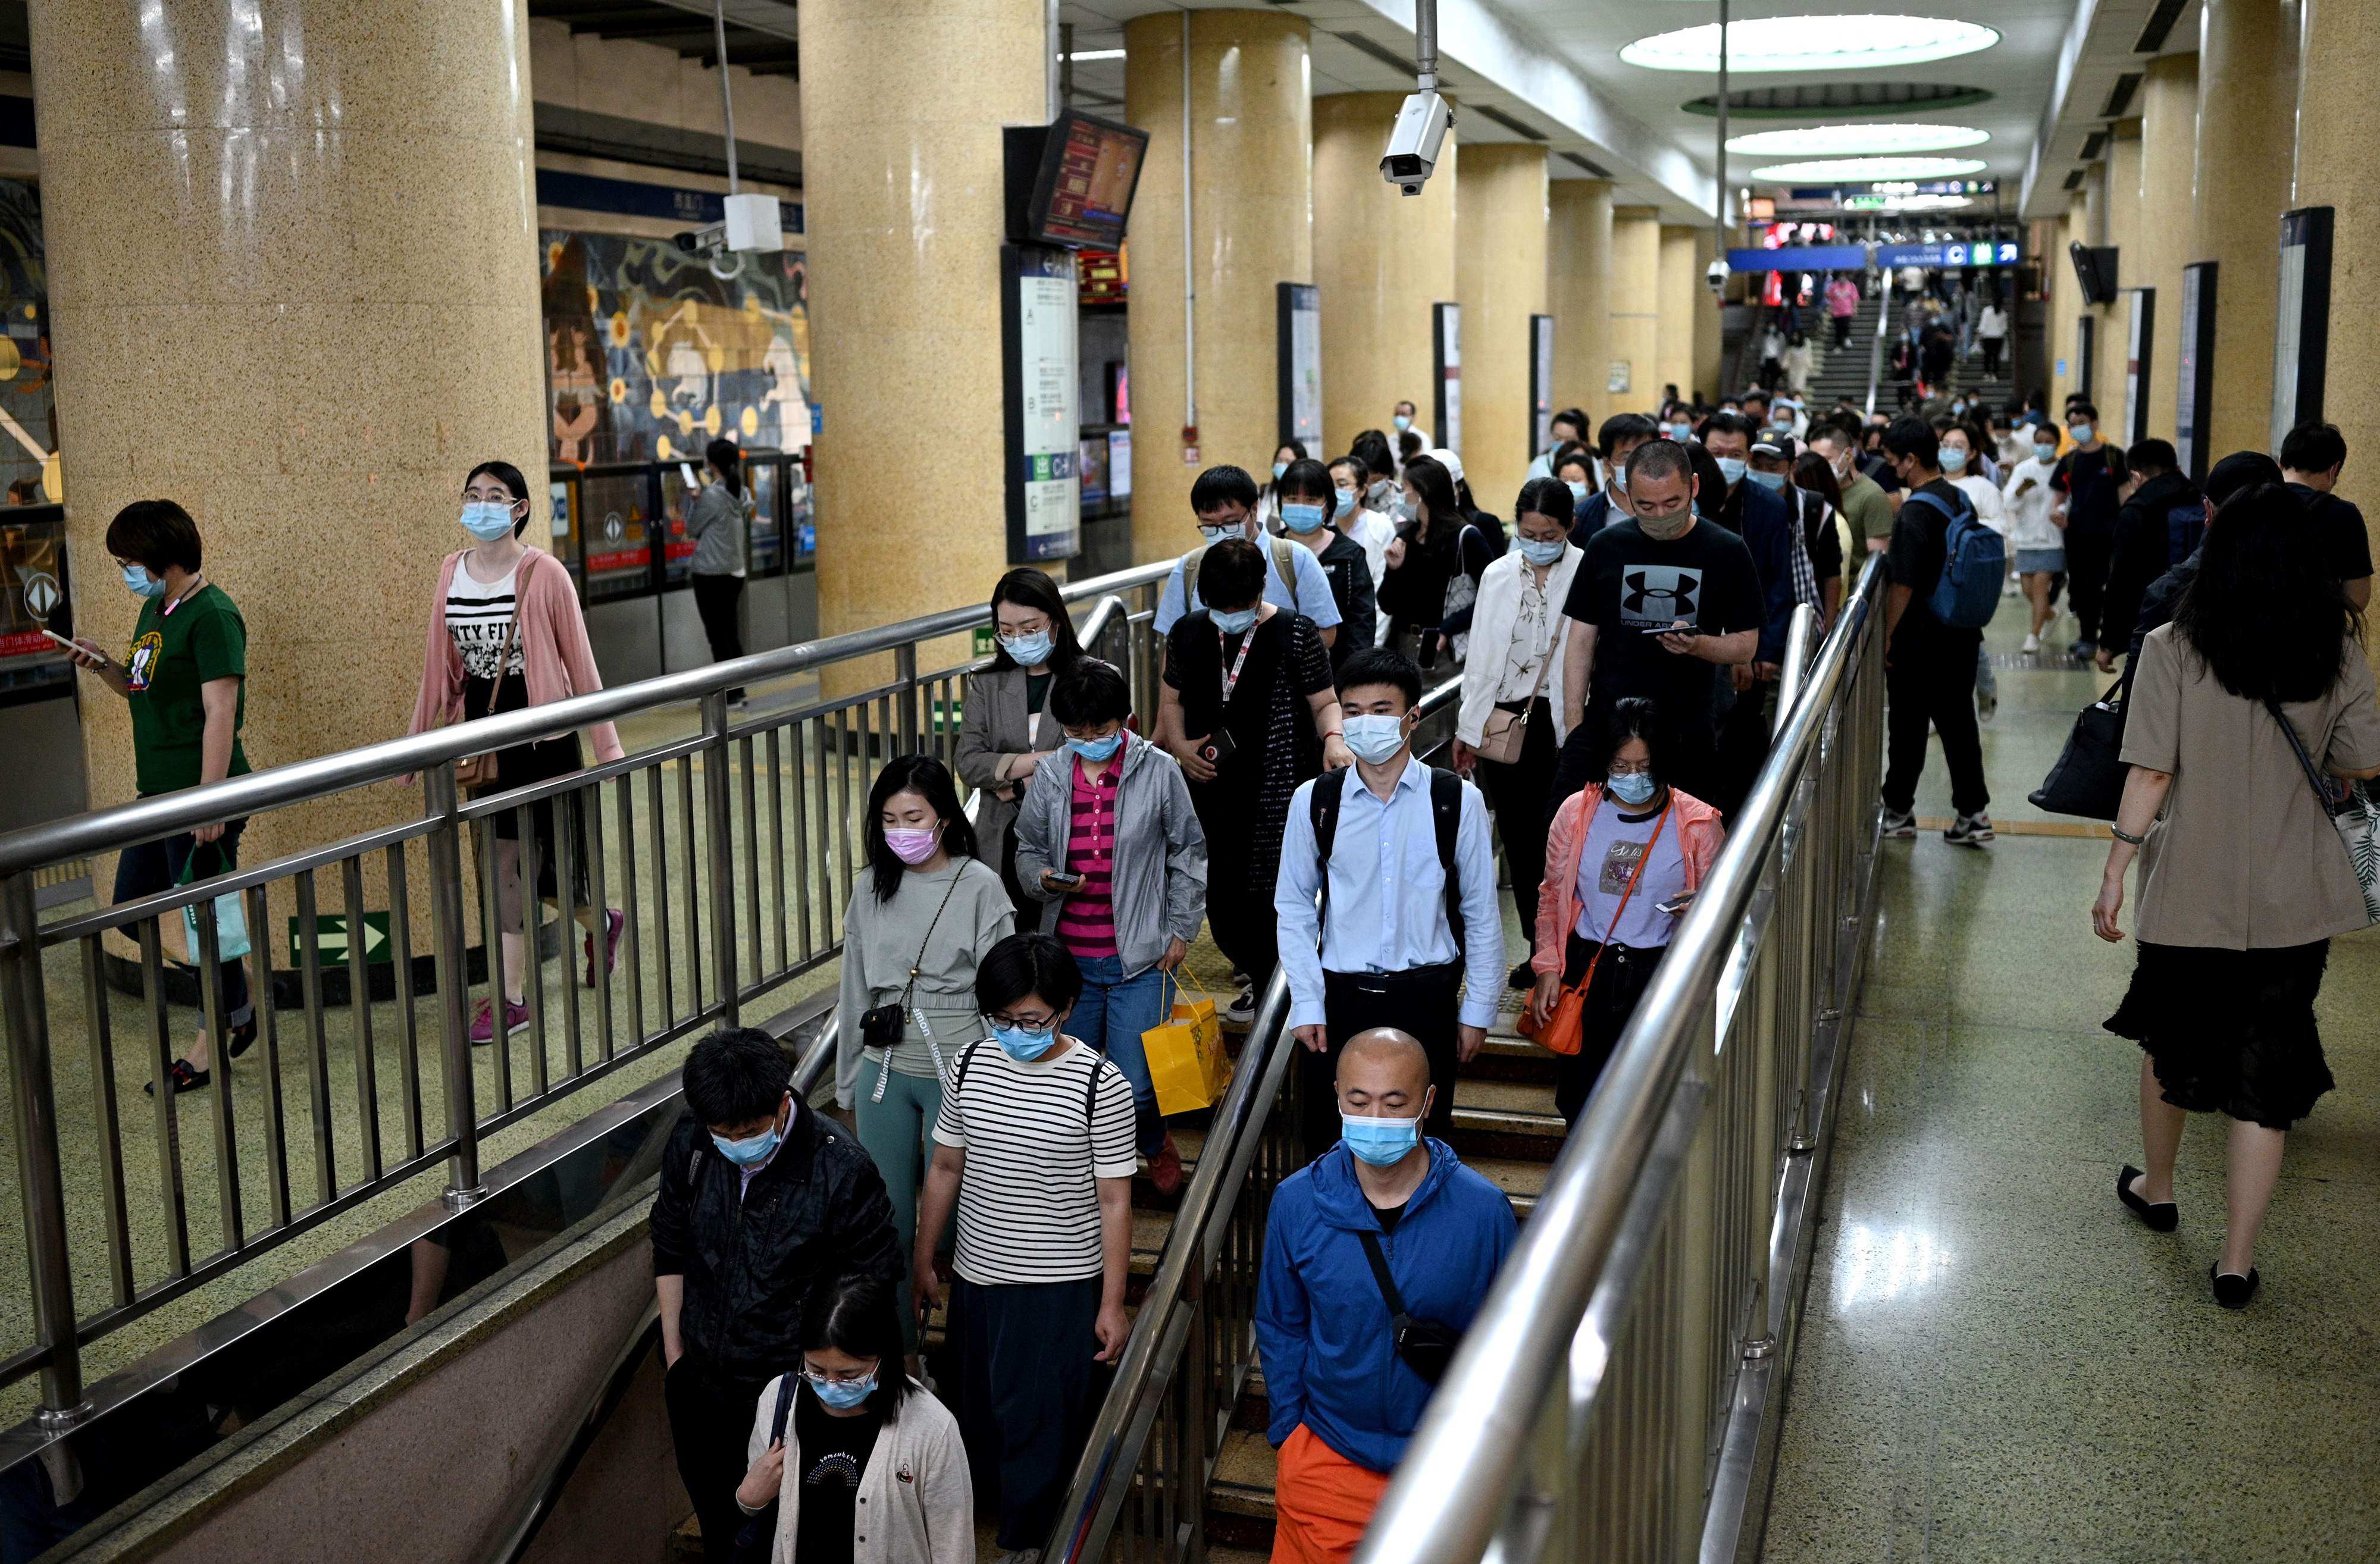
<point x="29" y="435"/>
<point x="651" y="352"/>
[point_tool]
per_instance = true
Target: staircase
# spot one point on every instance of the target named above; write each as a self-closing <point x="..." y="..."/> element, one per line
<point x="1840" y="371"/>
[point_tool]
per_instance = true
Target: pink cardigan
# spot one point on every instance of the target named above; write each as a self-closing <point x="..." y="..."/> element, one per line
<point x="559" y="662"/>
<point x="1699" y="835"/>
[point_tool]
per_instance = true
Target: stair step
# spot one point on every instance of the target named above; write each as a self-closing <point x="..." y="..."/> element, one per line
<point x="1240" y="1500"/>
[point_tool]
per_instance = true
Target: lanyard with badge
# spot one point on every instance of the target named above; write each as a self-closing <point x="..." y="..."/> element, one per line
<point x="1232" y="674"/>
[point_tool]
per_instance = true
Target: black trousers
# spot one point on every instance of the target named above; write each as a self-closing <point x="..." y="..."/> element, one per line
<point x="1420" y="1002"/>
<point x="1620" y="982"/>
<point x="155" y="867"/>
<point x="2089" y="551"/>
<point x="1517" y="793"/>
<point x="1025" y="1402"/>
<point x="1687" y="754"/>
<point x="1843" y="330"/>
<point x="720" y="600"/>
<point x="710" y="1416"/>
<point x="1991" y="356"/>
<point x="1933" y="687"/>
<point x="1743" y="736"/>
<point x="1239" y="900"/>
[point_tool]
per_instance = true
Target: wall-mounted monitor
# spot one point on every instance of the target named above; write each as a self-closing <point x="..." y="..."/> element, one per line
<point x="1071" y="183"/>
<point x="2095" y="270"/>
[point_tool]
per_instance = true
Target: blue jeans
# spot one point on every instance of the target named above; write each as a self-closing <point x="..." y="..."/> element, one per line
<point x="1110" y="1016"/>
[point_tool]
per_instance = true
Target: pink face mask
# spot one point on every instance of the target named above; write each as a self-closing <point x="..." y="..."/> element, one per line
<point x="912" y="845"/>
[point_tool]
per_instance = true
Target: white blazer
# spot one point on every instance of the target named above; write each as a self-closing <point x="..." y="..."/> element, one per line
<point x="1492" y="618"/>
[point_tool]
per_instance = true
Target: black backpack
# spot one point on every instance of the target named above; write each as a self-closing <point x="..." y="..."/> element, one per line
<point x="1446" y="813"/>
<point x="2185" y="529"/>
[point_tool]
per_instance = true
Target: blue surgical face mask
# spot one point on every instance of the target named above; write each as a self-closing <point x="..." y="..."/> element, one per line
<point x="1235" y="623"/>
<point x="840" y="1394"/>
<point x="1022" y="1044"/>
<point x="1028" y="651"/>
<point x="2081" y="433"/>
<point x="1301" y="517"/>
<point x="1347" y="499"/>
<point x="1682" y="432"/>
<point x="1953" y="459"/>
<point x="2044" y="451"/>
<point x="1732" y="469"/>
<point x="1577" y="489"/>
<point x="1096" y="749"/>
<point x="1631" y="787"/>
<point x="1375" y="736"/>
<point x="140" y="584"/>
<point x="1403" y="423"/>
<point x="1773" y="482"/>
<point x="486" y="519"/>
<point x="1382" y="1142"/>
<point x="752" y="1150"/>
<point x="1278" y="469"/>
<point x="1537" y="553"/>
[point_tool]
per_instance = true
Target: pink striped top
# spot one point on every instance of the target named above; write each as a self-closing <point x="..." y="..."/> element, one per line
<point x="1087" y="922"/>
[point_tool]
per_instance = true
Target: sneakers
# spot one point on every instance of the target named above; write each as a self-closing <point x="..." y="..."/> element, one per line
<point x="483" y="1028"/>
<point x="616" y="920"/>
<point x="2082" y="650"/>
<point x="1898" y="824"/>
<point x="1165" y="1168"/>
<point x="2032" y="644"/>
<point x="1987" y="704"/>
<point x="1242" y="1011"/>
<point x="1969" y="831"/>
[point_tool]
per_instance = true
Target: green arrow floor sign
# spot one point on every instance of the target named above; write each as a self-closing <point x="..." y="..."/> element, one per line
<point x="331" y="930"/>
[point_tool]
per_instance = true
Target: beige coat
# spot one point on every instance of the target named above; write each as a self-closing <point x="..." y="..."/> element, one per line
<point x="916" y="1501"/>
<point x="995" y="735"/>
<point x="2243" y="857"/>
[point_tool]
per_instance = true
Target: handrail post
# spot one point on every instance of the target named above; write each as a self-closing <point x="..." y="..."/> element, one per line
<point x="442" y="802"/>
<point x="905" y="675"/>
<point x="1800" y="645"/>
<point x="40" y="1187"/>
<point x="717" y="795"/>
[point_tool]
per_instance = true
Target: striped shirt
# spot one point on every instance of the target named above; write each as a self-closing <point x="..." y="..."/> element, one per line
<point x="1086" y="919"/>
<point x="478" y="617"/>
<point x="1036" y="1144"/>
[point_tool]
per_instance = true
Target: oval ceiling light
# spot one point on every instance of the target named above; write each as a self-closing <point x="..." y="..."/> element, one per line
<point x="1768" y="43"/>
<point x="1846" y="140"/>
<point x="1857" y="170"/>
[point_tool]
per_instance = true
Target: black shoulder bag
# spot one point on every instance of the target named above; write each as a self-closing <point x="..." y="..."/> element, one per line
<point x="759" y="1535"/>
<point x="2088" y="778"/>
<point x="882" y="1027"/>
<point x="1425" y="1345"/>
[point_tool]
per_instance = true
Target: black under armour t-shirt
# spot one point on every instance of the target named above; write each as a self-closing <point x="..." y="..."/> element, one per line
<point x="1631" y="585"/>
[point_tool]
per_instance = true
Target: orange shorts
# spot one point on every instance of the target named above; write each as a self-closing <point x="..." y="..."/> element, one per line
<point x="1324" y="1501"/>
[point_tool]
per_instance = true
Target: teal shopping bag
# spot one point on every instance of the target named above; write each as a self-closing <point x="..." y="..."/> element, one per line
<point x="231" y="918"/>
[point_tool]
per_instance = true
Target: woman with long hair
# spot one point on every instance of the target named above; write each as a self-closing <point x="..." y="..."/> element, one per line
<point x="506" y="633"/>
<point x="1826" y="531"/>
<point x="720" y="521"/>
<point x="1423" y="558"/>
<point x="921" y="919"/>
<point x="2244" y="713"/>
<point x="1005" y="726"/>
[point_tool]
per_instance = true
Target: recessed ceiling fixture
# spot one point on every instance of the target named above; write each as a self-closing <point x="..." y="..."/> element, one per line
<point x="1844" y="140"/>
<point x="1858" y="170"/>
<point x="1812" y="43"/>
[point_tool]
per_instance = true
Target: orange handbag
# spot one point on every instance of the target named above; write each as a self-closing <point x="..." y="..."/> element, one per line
<point x="1564" y="1031"/>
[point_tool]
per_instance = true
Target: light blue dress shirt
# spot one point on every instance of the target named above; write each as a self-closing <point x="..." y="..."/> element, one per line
<point x="1313" y="599"/>
<point x="1388" y="895"/>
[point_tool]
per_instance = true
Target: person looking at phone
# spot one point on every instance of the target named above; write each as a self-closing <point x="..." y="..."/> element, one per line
<point x="1107" y="839"/>
<point x="1623" y="859"/>
<point x="1248" y="709"/>
<point x="185" y="678"/>
<point x="1663" y="601"/>
<point x="1344" y="1391"/>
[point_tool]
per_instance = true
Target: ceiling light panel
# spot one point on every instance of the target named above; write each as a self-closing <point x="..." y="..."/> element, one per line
<point x="1858" y="170"/>
<point x="1777" y="43"/>
<point x="1848" y="141"/>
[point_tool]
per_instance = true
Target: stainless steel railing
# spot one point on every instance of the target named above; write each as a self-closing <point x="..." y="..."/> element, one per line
<point x="1588" y="1412"/>
<point x="729" y="851"/>
<point x="1139" y="1490"/>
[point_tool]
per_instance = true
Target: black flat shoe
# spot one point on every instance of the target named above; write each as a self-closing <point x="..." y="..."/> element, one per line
<point x="185" y="1078"/>
<point x="2163" y="1216"/>
<point x="2233" y="1291"/>
<point x="1523" y="979"/>
<point x="243" y="1037"/>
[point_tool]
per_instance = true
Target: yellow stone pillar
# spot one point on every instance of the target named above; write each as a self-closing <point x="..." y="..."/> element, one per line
<point x="2338" y="124"/>
<point x="2168" y="159"/>
<point x="1675" y="346"/>
<point x="1251" y="142"/>
<point x="1500" y="279"/>
<point x="2065" y="303"/>
<point x="2247" y="127"/>
<point x="903" y="101"/>
<point x="1633" y="321"/>
<point x="2123" y="225"/>
<point x="1383" y="258"/>
<point x="1708" y="370"/>
<point x="293" y="283"/>
<point x="1578" y="246"/>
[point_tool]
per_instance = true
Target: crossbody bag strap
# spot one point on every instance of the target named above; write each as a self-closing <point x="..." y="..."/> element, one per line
<point x="512" y="633"/>
<point x="1634" y="876"/>
<point x="2323" y="794"/>
<point x="786" y="1386"/>
<point x="1386" y="1283"/>
<point x="910" y="988"/>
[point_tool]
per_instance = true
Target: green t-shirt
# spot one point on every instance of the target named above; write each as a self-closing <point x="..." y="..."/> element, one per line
<point x="174" y="654"/>
<point x="1867" y="509"/>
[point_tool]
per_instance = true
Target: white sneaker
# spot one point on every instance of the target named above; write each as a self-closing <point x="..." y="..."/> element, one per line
<point x="1969" y="831"/>
<point x="1242" y="1011"/>
<point x="2032" y="644"/>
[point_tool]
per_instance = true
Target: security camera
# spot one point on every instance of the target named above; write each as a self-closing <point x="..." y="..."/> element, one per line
<point x="709" y="239"/>
<point x="1715" y="275"/>
<point x="752" y="223"/>
<point x="1414" y="145"/>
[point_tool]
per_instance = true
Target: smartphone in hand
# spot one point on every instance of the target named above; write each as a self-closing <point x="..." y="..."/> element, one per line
<point x="1676" y="904"/>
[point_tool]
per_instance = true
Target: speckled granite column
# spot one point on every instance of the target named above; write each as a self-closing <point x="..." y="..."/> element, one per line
<point x="902" y="103"/>
<point x="1500" y="277"/>
<point x="1382" y="257"/>
<point x="1252" y="228"/>
<point x="1579" y="254"/>
<point x="1674" y="330"/>
<point x="1634" y="318"/>
<point x="2169" y="159"/>
<point x="2247" y="128"/>
<point x="293" y="285"/>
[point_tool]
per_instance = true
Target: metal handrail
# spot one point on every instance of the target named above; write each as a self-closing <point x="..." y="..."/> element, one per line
<point x="1538" y="1351"/>
<point x="1155" y="1354"/>
<point x="1876" y="346"/>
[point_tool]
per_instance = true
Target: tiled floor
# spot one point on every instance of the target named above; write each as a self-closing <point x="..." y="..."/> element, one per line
<point x="1997" y="1362"/>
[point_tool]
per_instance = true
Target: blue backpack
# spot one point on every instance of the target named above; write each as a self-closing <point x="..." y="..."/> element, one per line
<point x="1974" y="563"/>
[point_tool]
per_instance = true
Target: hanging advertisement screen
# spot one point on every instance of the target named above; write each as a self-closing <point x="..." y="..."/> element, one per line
<point x="1299" y="352"/>
<point x="1039" y="325"/>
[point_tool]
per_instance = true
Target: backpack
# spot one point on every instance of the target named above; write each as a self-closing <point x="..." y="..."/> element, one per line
<point x="1090" y="1089"/>
<point x="1974" y="558"/>
<point x="1446" y="813"/>
<point x="1282" y="564"/>
<point x="2185" y="529"/>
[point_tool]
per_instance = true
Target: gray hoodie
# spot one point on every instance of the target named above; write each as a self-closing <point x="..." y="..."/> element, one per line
<point x="1160" y="867"/>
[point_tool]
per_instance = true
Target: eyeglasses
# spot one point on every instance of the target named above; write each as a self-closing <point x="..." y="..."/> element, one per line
<point x="1039" y="1023"/>
<point x="847" y="1376"/>
<point x="1632" y="767"/>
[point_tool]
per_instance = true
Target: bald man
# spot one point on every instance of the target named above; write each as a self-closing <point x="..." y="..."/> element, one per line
<point x="1386" y="1209"/>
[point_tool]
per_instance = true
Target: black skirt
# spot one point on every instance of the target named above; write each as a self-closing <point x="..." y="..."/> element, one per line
<point x="2231" y="1031"/>
<point x="524" y="765"/>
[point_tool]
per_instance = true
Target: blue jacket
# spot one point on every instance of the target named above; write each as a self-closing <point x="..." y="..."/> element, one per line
<point x="1765" y="522"/>
<point x="1322" y="1327"/>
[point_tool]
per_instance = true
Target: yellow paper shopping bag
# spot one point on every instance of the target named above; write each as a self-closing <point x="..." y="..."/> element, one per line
<point x="1186" y="1061"/>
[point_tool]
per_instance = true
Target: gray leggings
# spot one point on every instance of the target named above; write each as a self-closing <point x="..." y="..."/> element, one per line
<point x="897" y="1133"/>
